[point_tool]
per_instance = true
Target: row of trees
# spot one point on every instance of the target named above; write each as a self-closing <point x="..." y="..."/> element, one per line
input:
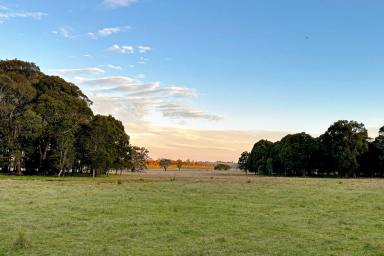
<point x="344" y="150"/>
<point x="48" y="127"/>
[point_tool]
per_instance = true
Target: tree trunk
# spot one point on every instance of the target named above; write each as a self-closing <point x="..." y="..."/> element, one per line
<point x="18" y="168"/>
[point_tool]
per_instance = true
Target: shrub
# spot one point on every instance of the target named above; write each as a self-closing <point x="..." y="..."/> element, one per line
<point x="222" y="167"/>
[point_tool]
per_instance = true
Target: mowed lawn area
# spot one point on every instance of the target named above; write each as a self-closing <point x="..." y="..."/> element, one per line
<point x="190" y="213"/>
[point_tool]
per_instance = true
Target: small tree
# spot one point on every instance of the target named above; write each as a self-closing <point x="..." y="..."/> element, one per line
<point x="179" y="164"/>
<point x="138" y="158"/>
<point x="243" y="162"/>
<point x="165" y="163"/>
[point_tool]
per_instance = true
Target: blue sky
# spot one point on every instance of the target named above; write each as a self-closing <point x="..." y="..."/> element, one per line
<point x="205" y="79"/>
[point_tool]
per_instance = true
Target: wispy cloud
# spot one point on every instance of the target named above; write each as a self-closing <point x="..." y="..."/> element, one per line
<point x="114" y="84"/>
<point x="138" y="104"/>
<point x="7" y="14"/>
<point x="104" y="32"/>
<point x="130" y="49"/>
<point x="144" y="49"/>
<point x="77" y="71"/>
<point x="142" y="61"/>
<point x="178" y="111"/>
<point x="125" y="49"/>
<point x="66" y="32"/>
<point x="110" y="66"/>
<point x="118" y="3"/>
<point x="169" y="91"/>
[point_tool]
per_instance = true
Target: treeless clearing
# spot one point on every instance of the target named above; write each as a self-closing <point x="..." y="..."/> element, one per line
<point x="190" y="213"/>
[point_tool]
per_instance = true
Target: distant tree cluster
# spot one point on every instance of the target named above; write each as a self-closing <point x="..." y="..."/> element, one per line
<point x="222" y="167"/>
<point x="179" y="164"/>
<point x="344" y="150"/>
<point x="48" y="127"/>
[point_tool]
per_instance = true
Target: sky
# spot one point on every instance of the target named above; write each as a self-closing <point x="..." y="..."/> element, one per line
<point x="206" y="79"/>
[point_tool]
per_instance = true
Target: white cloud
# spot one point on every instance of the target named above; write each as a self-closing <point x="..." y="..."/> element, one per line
<point x="118" y="3"/>
<point x="125" y="49"/>
<point x="144" y="49"/>
<point x="138" y="104"/>
<point x="114" y="67"/>
<point x="142" y="61"/>
<point x="178" y="111"/>
<point x="109" y="31"/>
<point x="114" y="84"/>
<point x="104" y="32"/>
<point x="77" y="71"/>
<point x="151" y="97"/>
<point x="65" y="32"/>
<point x="174" y="91"/>
<point x="7" y="13"/>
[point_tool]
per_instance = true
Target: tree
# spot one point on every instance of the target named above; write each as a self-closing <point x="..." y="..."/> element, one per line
<point x="48" y="127"/>
<point x="138" y="157"/>
<point x="16" y="96"/>
<point x="165" y="163"/>
<point x="101" y="142"/>
<point x="243" y="162"/>
<point x="64" y="109"/>
<point x="345" y="142"/>
<point x="372" y="161"/>
<point x="295" y="153"/>
<point x="259" y="156"/>
<point x="179" y="164"/>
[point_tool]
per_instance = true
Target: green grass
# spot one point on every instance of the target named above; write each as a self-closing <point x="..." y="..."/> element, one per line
<point x="197" y="214"/>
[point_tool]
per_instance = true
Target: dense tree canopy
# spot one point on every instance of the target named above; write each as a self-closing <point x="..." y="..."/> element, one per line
<point x="344" y="150"/>
<point x="258" y="158"/>
<point x="243" y="161"/>
<point x="48" y="127"/>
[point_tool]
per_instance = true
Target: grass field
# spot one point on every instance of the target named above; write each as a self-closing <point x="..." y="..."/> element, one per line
<point x="190" y="213"/>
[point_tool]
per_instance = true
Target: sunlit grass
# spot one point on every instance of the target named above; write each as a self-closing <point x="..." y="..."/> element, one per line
<point x="190" y="214"/>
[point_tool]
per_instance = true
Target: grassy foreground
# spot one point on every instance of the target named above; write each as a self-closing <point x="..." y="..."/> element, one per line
<point x="195" y="213"/>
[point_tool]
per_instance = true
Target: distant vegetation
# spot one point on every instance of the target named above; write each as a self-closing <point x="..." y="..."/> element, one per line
<point x="344" y="150"/>
<point x="48" y="127"/>
<point x="165" y="163"/>
<point x="222" y="167"/>
<point x="186" y="164"/>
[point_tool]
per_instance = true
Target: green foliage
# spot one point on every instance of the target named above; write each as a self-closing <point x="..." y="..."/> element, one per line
<point x="344" y="143"/>
<point x="343" y="150"/>
<point x="295" y="154"/>
<point x="243" y="163"/>
<point x="103" y="144"/>
<point x="165" y="163"/>
<point x="222" y="167"/>
<point x="179" y="164"/>
<point x="257" y="160"/>
<point x="47" y="126"/>
<point x="138" y="157"/>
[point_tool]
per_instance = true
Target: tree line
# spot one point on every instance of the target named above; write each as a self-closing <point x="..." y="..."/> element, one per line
<point x="47" y="127"/>
<point x="344" y="150"/>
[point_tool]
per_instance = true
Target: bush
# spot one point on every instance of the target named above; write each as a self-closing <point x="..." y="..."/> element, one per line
<point x="222" y="167"/>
